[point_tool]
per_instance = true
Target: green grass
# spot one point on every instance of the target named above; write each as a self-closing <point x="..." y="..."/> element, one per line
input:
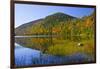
<point x="60" y="47"/>
<point x="71" y="47"/>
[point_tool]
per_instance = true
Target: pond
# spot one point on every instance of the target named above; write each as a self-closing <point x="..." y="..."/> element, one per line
<point x="30" y="51"/>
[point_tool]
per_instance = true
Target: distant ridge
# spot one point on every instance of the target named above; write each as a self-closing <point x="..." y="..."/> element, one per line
<point x="42" y="26"/>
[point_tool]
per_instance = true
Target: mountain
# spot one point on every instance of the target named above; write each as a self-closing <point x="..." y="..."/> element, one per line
<point x="20" y="30"/>
<point x="38" y="26"/>
<point x="29" y="24"/>
<point x="59" y="17"/>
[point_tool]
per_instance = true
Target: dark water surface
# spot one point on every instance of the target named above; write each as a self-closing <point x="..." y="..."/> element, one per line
<point x="26" y="56"/>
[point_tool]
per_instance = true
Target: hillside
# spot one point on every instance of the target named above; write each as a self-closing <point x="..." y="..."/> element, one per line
<point x="70" y="32"/>
<point x="59" y="24"/>
<point x="39" y="26"/>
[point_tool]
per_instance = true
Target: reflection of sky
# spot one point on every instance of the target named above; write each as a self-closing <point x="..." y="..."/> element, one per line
<point x="25" y="13"/>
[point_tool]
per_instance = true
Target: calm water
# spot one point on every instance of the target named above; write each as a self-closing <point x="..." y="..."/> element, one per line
<point x="25" y="55"/>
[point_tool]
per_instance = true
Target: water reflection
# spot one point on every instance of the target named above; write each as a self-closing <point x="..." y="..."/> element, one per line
<point x="24" y="56"/>
<point x="29" y="51"/>
<point x="34" y="43"/>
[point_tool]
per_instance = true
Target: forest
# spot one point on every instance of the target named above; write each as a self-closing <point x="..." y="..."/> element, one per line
<point x="66" y="34"/>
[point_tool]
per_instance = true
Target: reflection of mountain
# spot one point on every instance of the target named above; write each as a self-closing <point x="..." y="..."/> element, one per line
<point x="56" y="23"/>
<point x="69" y="31"/>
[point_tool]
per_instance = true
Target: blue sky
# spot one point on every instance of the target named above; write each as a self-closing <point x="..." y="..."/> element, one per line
<point x="25" y="13"/>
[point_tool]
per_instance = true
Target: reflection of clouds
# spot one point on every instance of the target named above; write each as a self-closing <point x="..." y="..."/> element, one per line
<point x="17" y="44"/>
